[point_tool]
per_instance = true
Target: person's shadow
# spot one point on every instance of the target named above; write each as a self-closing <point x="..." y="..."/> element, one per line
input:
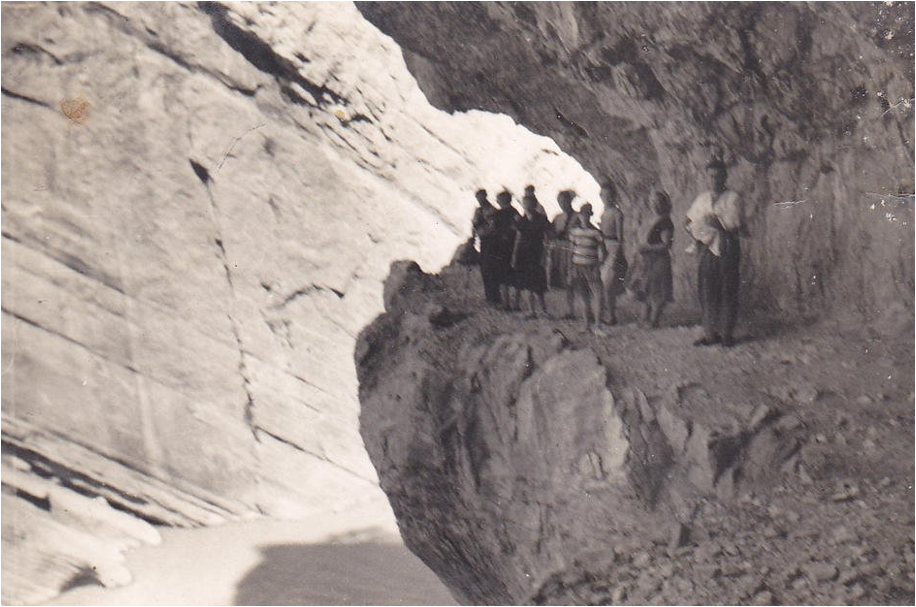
<point x="341" y="574"/>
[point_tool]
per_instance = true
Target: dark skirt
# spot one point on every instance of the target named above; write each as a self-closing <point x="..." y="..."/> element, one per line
<point x="501" y="256"/>
<point x="650" y="278"/>
<point x="529" y="273"/>
<point x="531" y="277"/>
<point x="658" y="281"/>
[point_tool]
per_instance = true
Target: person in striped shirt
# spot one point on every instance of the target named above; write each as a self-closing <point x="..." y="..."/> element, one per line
<point x="585" y="274"/>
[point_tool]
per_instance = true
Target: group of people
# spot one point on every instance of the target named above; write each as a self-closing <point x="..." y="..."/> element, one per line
<point x="528" y="253"/>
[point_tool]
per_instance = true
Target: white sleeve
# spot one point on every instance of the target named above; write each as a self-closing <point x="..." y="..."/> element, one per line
<point x="731" y="213"/>
<point x="696" y="211"/>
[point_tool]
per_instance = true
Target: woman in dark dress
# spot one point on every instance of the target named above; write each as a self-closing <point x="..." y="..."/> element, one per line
<point x="654" y="284"/>
<point x="503" y="239"/>
<point x="528" y="257"/>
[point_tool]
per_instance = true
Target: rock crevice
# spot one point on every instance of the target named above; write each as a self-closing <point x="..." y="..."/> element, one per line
<point x="200" y="203"/>
<point x="509" y="454"/>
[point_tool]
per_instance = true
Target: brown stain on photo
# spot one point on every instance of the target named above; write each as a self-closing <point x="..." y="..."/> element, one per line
<point x="76" y="110"/>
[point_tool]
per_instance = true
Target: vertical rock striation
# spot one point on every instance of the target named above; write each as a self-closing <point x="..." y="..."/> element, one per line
<point x="200" y="202"/>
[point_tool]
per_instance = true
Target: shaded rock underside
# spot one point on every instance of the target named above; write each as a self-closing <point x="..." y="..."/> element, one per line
<point x="812" y="104"/>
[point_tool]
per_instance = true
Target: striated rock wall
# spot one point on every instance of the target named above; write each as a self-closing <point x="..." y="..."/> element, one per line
<point x="200" y="202"/>
<point x="812" y="103"/>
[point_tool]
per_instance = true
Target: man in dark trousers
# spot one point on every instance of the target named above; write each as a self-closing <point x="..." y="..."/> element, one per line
<point x="716" y="220"/>
<point x="484" y="224"/>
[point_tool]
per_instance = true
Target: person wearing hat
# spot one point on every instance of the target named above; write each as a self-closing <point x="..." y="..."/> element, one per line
<point x="529" y="194"/>
<point x="585" y="276"/>
<point x="716" y="221"/>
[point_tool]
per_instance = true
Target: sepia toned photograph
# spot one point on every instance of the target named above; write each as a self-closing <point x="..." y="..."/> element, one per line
<point x="441" y="303"/>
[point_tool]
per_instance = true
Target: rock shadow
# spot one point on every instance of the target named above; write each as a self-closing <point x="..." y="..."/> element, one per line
<point x="335" y="574"/>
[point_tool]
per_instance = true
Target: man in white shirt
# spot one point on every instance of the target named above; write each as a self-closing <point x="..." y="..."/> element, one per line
<point x="715" y="220"/>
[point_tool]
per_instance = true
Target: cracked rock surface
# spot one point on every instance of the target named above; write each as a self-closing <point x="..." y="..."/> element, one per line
<point x="200" y="203"/>
<point x="530" y="462"/>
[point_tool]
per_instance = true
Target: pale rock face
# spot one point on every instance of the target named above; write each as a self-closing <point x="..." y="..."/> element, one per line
<point x="190" y="255"/>
<point x="200" y="202"/>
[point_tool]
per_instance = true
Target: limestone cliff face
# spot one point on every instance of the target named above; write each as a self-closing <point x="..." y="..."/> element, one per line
<point x="200" y="202"/>
<point x="813" y="105"/>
